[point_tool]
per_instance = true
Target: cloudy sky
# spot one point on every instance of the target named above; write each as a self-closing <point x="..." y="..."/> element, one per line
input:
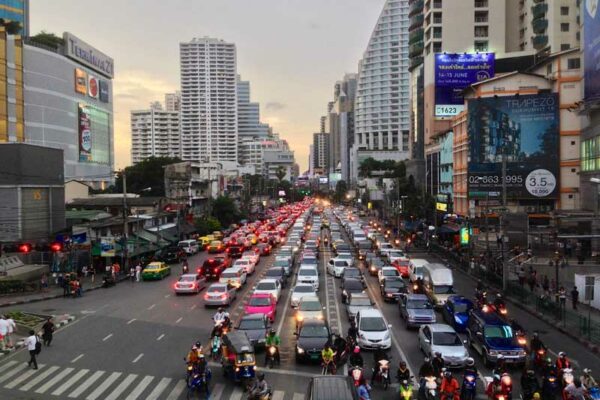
<point x="292" y="51"/>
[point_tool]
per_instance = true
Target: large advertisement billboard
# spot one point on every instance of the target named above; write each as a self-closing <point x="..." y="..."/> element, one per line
<point x="591" y="45"/>
<point x="524" y="130"/>
<point x="456" y="72"/>
<point x="85" y="135"/>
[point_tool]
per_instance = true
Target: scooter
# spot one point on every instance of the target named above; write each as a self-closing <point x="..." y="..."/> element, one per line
<point x="215" y="349"/>
<point x="357" y="374"/>
<point x="469" y="387"/>
<point x="551" y="388"/>
<point x="429" y="388"/>
<point x="272" y="356"/>
<point x="567" y="376"/>
<point x="594" y="393"/>
<point x="507" y="386"/>
<point x="539" y="359"/>
<point x="383" y="374"/>
<point x="406" y="390"/>
<point x="199" y="381"/>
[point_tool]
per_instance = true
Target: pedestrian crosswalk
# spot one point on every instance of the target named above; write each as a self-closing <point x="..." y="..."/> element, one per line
<point x="51" y="381"/>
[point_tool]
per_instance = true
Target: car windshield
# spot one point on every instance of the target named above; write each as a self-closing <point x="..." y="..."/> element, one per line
<point x="340" y="263"/>
<point x="360" y="302"/>
<point x="304" y="289"/>
<point x="498" y="332"/>
<point x="443" y="289"/>
<point x="390" y="272"/>
<point x="307" y="272"/>
<point x="187" y="279"/>
<point x="259" y="301"/>
<point x="372" y="324"/>
<point x="446" y="339"/>
<point x="266" y="286"/>
<point x="309" y="260"/>
<point x="418" y="304"/>
<point x="345" y="256"/>
<point x="394" y="283"/>
<point x="353" y="285"/>
<point x="151" y="267"/>
<point x="351" y="273"/>
<point x="252" y="324"/>
<point x="310" y="306"/>
<point x="461" y="307"/>
<point x="273" y="272"/>
<point x="314" y="332"/>
<point x="218" y="289"/>
<point x="281" y="263"/>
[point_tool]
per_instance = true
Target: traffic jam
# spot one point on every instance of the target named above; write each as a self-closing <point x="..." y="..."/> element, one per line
<point x="325" y="291"/>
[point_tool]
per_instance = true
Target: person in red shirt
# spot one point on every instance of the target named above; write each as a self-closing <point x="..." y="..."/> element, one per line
<point x="449" y="388"/>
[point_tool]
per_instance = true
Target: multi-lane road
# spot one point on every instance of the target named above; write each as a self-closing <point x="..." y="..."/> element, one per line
<point x="128" y="342"/>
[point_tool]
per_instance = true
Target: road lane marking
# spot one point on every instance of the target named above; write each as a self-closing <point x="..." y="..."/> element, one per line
<point x="21" y="378"/>
<point x="62" y="388"/>
<point x="121" y="388"/>
<point x="298" y="396"/>
<point x="159" y="388"/>
<point x="138" y="358"/>
<point x="151" y="307"/>
<point x="217" y="391"/>
<point x="88" y="382"/>
<point x="65" y="372"/>
<point x="278" y="395"/>
<point x="177" y="390"/>
<point x="193" y="307"/>
<point x="140" y="388"/>
<point x="160" y="337"/>
<point x="237" y="394"/>
<point x="179" y="320"/>
<point x="107" y="337"/>
<point x="131" y="320"/>
<point x="103" y="386"/>
<point x="167" y="296"/>
<point x="7" y="365"/>
<point x="15" y="371"/>
<point x="38" y="379"/>
<point x="77" y="358"/>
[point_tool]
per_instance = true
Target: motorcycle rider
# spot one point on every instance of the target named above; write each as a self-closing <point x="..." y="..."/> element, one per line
<point x="529" y="384"/>
<point x="272" y="339"/>
<point x="426" y="368"/>
<point x="536" y="344"/>
<point x="186" y="267"/>
<point x="221" y="319"/>
<point x="378" y="355"/>
<point x="449" y="388"/>
<point x="575" y="390"/>
<point x="353" y="330"/>
<point x="356" y="358"/>
<point x="494" y="388"/>
<point x="327" y="355"/>
<point x="437" y="363"/>
<point x="192" y="356"/>
<point x="363" y="390"/>
<point x="587" y="379"/>
<point x="260" y="388"/>
<point x="499" y="302"/>
<point x="562" y="362"/>
<point x="403" y="373"/>
<point x="470" y="367"/>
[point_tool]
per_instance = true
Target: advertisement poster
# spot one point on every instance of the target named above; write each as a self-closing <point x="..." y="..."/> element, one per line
<point x="591" y="45"/>
<point x="456" y="72"/>
<point x="85" y="135"/>
<point x="93" y="88"/>
<point x="80" y="81"/>
<point x="107" y="247"/>
<point x="103" y="90"/>
<point x="524" y="130"/>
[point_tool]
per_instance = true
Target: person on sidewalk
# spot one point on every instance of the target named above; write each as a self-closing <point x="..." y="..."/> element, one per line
<point x="93" y="273"/>
<point x="132" y="273"/>
<point x="562" y="297"/>
<point x="3" y="332"/>
<point x="575" y="297"/>
<point x="138" y="272"/>
<point x="12" y="327"/>
<point x="31" y="343"/>
<point x="48" y="331"/>
<point x="44" y="282"/>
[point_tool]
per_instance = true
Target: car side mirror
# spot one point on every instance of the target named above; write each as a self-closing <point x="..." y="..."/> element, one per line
<point x="427" y="341"/>
<point x="390" y="326"/>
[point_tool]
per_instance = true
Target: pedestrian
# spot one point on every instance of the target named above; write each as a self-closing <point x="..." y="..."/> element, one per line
<point x="32" y="345"/>
<point x="84" y="271"/>
<point x="93" y="272"/>
<point x="3" y="332"/>
<point x="12" y="327"/>
<point x="546" y="284"/>
<point x="132" y="273"/>
<point x="44" y="282"/>
<point x="138" y="272"/>
<point x="532" y="281"/>
<point x="108" y="269"/>
<point x="529" y="252"/>
<point x="522" y="274"/>
<point x="575" y="297"/>
<point x="48" y="331"/>
<point x="562" y="296"/>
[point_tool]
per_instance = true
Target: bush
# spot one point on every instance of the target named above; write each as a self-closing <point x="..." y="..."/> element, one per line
<point x="207" y="225"/>
<point x="12" y="286"/>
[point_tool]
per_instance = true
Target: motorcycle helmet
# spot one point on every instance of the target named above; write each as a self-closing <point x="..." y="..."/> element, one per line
<point x="536" y="396"/>
<point x="402" y="364"/>
<point x="272" y="332"/>
<point x="448" y="374"/>
<point x="260" y="376"/>
<point x="470" y="362"/>
<point x="587" y="371"/>
<point x="356" y="349"/>
<point x="496" y="378"/>
<point x="530" y="373"/>
<point x="535" y="334"/>
<point x="426" y="359"/>
<point x="438" y="354"/>
<point x="220" y="309"/>
<point x="549" y="361"/>
<point x="198" y="344"/>
<point x="562" y="354"/>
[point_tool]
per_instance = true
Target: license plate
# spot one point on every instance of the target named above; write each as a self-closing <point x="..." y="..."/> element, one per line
<point x="314" y="356"/>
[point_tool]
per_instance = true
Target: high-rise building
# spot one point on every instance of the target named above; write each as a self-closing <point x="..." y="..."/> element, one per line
<point x="209" y="124"/>
<point x="320" y="159"/>
<point x="249" y="124"/>
<point x="173" y="101"/>
<point x="154" y="133"/>
<point x="382" y="99"/>
<point x="277" y="155"/>
<point x="18" y="11"/>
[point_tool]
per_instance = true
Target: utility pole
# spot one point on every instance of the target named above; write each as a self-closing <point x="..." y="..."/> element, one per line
<point x="125" y="225"/>
<point x="504" y="209"/>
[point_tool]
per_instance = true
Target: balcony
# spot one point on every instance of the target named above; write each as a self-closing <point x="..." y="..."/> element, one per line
<point x="539" y="10"/>
<point x="481" y="3"/>
<point x="416" y="21"/>
<point x="539" y="1"/>
<point x="539" y="25"/>
<point x="540" y="41"/>
<point x="415" y="36"/>
<point x="415" y="49"/>
<point x="415" y="8"/>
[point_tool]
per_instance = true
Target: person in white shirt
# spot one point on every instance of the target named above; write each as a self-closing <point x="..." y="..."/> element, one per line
<point x="12" y="327"/>
<point x="138" y="272"/>
<point x="3" y="332"/>
<point x="30" y="342"/>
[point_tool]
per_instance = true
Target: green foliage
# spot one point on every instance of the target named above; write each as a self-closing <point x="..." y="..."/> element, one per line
<point x="146" y="174"/>
<point x="390" y="168"/>
<point x="12" y="286"/>
<point x="11" y="27"/>
<point x="48" y="39"/>
<point x="225" y="210"/>
<point x="207" y="225"/>
<point x="341" y="188"/>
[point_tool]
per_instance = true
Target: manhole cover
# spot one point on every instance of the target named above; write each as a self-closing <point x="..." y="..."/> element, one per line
<point x="48" y="310"/>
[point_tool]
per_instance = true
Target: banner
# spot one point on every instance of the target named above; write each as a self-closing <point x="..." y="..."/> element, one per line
<point x="93" y="86"/>
<point x="80" y="81"/>
<point x="524" y="130"/>
<point x="107" y="247"/>
<point x="456" y="72"/>
<point x="591" y="46"/>
<point x="103" y="90"/>
<point x="85" y="135"/>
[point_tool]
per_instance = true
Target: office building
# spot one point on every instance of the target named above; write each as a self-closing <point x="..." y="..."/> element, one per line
<point x="277" y="155"/>
<point x="209" y="120"/>
<point x="382" y="99"/>
<point x="173" y="101"/>
<point x="249" y="113"/>
<point x="17" y="11"/>
<point x="320" y="161"/>
<point x="154" y="133"/>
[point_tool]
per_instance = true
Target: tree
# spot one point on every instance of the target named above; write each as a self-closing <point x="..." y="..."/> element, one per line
<point x="11" y="27"/>
<point x="48" y="39"/>
<point x="225" y="210"/>
<point x="146" y="174"/>
<point x="280" y="173"/>
<point x="207" y="225"/>
<point x="341" y="188"/>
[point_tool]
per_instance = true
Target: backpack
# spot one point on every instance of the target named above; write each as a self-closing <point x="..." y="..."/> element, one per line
<point x="38" y="345"/>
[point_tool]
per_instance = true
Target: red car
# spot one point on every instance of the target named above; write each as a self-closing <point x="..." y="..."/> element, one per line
<point x="264" y="249"/>
<point x="262" y="303"/>
<point x="402" y="266"/>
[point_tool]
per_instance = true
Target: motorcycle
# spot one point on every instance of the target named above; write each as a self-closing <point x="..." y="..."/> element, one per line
<point x="406" y="390"/>
<point x="507" y="386"/>
<point x="272" y="356"/>
<point x="329" y="368"/>
<point x="357" y="374"/>
<point x="539" y="359"/>
<point x="198" y="382"/>
<point x="429" y="388"/>
<point x="252" y="396"/>
<point x="222" y="326"/>
<point x="185" y="269"/>
<point x="567" y="376"/>
<point x="469" y="386"/>
<point x="594" y="393"/>
<point x="550" y="388"/>
<point x="383" y="373"/>
<point x="215" y="348"/>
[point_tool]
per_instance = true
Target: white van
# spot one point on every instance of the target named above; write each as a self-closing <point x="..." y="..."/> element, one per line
<point x="234" y="276"/>
<point x="416" y="268"/>
<point x="438" y="282"/>
<point x="189" y="246"/>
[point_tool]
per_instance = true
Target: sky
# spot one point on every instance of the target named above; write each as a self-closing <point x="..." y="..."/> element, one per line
<point x="291" y="51"/>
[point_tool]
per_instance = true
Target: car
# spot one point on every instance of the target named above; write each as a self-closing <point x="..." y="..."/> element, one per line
<point x="256" y="327"/>
<point x="204" y="241"/>
<point x="331" y="387"/>
<point x="171" y="255"/>
<point x="263" y="249"/>
<point x="387" y="272"/>
<point x="350" y="286"/>
<point x="373" y="330"/>
<point x="216" y="246"/>
<point x="393" y="288"/>
<point x="277" y="273"/>
<point x="353" y="273"/>
<point x="301" y="290"/>
<point x="223" y="259"/>
<point x="211" y="269"/>
<point x="156" y="270"/>
<point x="416" y="310"/>
<point x="375" y="265"/>
<point x="395" y="254"/>
<point x="262" y="303"/>
<point x="491" y="336"/>
<point x="342" y="248"/>
<point x="336" y="267"/>
<point x="383" y="246"/>
<point x="443" y="338"/>
<point x="269" y="286"/>
<point x="219" y="294"/>
<point x="234" y="276"/>
<point x="217" y="235"/>
<point x="246" y="264"/>
<point x="456" y="312"/>
<point x="312" y="337"/>
<point x="357" y="302"/>
<point x="189" y="246"/>
<point x="234" y="250"/>
<point x="346" y="256"/>
<point x="309" y="308"/>
<point x="308" y="275"/>
<point x="189" y="283"/>
<point x="252" y="238"/>
<point x="402" y="265"/>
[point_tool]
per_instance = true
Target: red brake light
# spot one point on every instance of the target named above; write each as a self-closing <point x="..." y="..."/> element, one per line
<point x="216" y="269"/>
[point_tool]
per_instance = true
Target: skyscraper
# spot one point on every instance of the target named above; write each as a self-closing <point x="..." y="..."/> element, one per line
<point x="18" y="11"/>
<point x="320" y="153"/>
<point x="154" y="133"/>
<point x="209" y="125"/>
<point x="249" y="124"/>
<point x="173" y="101"/>
<point x="341" y="125"/>
<point x="382" y="99"/>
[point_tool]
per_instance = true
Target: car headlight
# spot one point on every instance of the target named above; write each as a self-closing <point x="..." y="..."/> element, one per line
<point x="493" y="352"/>
<point x="300" y="350"/>
<point x="386" y="336"/>
<point x="299" y="317"/>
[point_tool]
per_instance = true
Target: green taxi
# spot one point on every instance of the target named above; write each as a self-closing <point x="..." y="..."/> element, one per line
<point x="156" y="270"/>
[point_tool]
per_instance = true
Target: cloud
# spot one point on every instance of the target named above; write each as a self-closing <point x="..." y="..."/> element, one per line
<point x="275" y="106"/>
<point x="314" y="25"/>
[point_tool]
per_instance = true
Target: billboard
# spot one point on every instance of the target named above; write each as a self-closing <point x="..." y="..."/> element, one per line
<point x="93" y="86"/>
<point x="80" y="81"/>
<point x="591" y="46"/>
<point x="78" y="50"/>
<point x="456" y="72"/>
<point x="85" y="135"/>
<point x="103" y="85"/>
<point x="525" y="131"/>
<point x="107" y="247"/>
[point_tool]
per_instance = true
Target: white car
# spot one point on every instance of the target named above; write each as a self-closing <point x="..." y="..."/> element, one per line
<point x="251" y="255"/>
<point x="387" y="272"/>
<point x="384" y="246"/>
<point x="346" y="256"/>
<point x="336" y="266"/>
<point x="373" y="330"/>
<point x="246" y="264"/>
<point x="301" y="290"/>
<point x="443" y="339"/>
<point x="308" y="275"/>
<point x="309" y="308"/>
<point x="269" y="286"/>
<point x="395" y="254"/>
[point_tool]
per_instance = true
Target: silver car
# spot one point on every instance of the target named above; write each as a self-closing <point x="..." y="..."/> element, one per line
<point x="190" y="283"/>
<point x="301" y="290"/>
<point x="219" y="294"/>
<point x="357" y="302"/>
<point x="443" y="338"/>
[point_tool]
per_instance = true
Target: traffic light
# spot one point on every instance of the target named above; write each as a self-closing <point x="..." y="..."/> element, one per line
<point x="55" y="247"/>
<point x="25" y="248"/>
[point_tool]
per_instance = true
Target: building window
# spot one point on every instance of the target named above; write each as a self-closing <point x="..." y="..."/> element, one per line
<point x="590" y="154"/>
<point x="564" y="27"/>
<point x="481" y="16"/>
<point x="574" y="63"/>
<point x="481" y="31"/>
<point x="549" y="69"/>
<point x="437" y="32"/>
<point x="481" y="46"/>
<point x="565" y="46"/>
<point x="564" y="11"/>
<point x="437" y="47"/>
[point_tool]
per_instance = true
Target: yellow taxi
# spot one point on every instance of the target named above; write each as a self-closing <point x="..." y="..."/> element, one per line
<point x="218" y="235"/>
<point x="156" y="270"/>
<point x="216" y="246"/>
<point x="252" y="238"/>
<point x="204" y="241"/>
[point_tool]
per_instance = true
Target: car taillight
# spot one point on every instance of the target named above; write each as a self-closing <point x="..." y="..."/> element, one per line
<point x="215" y="270"/>
<point x="223" y="296"/>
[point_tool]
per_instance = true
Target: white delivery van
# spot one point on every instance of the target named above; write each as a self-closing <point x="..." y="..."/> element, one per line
<point x="438" y="283"/>
<point x="416" y="268"/>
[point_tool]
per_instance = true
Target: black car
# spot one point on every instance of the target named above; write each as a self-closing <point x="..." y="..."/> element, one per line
<point x="235" y="250"/>
<point x="277" y="273"/>
<point x="256" y="327"/>
<point x="375" y="265"/>
<point x="353" y="273"/>
<point x="212" y="268"/>
<point x="351" y="285"/>
<point x="331" y="387"/>
<point x="171" y="255"/>
<point x="312" y="337"/>
<point x="392" y="288"/>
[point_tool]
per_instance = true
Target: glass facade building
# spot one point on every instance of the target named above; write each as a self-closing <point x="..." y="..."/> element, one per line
<point x="16" y="10"/>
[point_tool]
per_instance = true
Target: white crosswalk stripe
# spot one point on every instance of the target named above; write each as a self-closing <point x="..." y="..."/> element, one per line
<point x="23" y="377"/>
<point x="177" y="390"/>
<point x="39" y="378"/>
<point x="298" y="396"/>
<point x="62" y="388"/>
<point x="237" y="394"/>
<point x="278" y="395"/>
<point x="122" y="386"/>
<point x="140" y="388"/>
<point x="103" y="386"/>
<point x="12" y="372"/>
<point x="7" y="365"/>
<point x="162" y="385"/>
<point x="86" y="384"/>
<point x="44" y="388"/>
<point x="217" y="391"/>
